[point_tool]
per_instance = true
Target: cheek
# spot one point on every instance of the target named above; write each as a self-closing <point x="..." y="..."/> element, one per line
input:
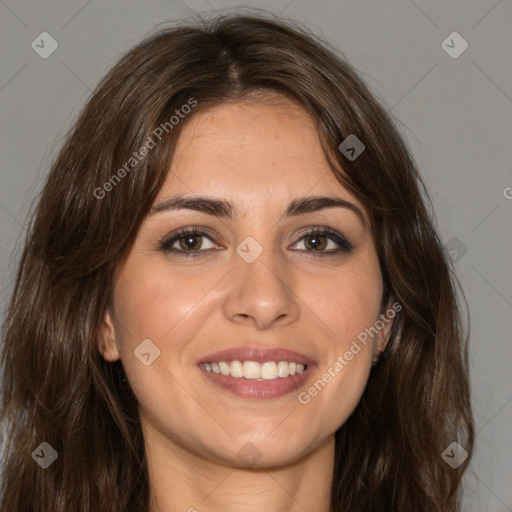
<point x="349" y="306"/>
<point x="153" y="301"/>
<point x="167" y="308"/>
<point x="346" y="302"/>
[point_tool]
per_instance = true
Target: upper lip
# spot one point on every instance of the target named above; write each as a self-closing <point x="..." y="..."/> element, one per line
<point x="258" y="354"/>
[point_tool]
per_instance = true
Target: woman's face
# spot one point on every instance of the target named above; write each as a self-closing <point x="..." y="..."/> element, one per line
<point x="264" y="285"/>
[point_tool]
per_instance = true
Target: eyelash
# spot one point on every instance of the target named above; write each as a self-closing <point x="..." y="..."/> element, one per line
<point x="344" y="245"/>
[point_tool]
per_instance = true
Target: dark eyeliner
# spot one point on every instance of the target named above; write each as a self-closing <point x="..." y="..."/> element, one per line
<point x="167" y="242"/>
<point x="345" y="246"/>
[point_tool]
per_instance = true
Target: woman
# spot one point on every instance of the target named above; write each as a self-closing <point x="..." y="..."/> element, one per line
<point x="232" y="296"/>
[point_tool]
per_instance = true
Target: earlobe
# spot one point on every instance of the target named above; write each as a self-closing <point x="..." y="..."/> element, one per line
<point x="382" y="338"/>
<point x="384" y="335"/>
<point x="107" y="340"/>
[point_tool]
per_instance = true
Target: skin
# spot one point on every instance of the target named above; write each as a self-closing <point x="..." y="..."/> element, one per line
<point x="260" y="154"/>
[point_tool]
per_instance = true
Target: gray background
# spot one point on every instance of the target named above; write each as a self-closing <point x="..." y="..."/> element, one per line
<point x="455" y="113"/>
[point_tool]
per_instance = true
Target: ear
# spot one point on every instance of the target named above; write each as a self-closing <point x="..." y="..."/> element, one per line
<point x="107" y="340"/>
<point x="385" y="321"/>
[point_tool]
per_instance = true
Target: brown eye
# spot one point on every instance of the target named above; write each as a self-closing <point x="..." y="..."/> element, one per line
<point x="315" y="242"/>
<point x="188" y="242"/>
<point x="325" y="242"/>
<point x="193" y="242"/>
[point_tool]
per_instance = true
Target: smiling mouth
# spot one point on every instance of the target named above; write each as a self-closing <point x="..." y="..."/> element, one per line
<point x="255" y="380"/>
<point x="254" y="370"/>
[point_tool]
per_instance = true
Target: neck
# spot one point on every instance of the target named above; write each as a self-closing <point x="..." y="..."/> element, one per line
<point x="184" y="482"/>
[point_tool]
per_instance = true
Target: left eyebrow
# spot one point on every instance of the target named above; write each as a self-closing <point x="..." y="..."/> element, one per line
<point x="225" y="209"/>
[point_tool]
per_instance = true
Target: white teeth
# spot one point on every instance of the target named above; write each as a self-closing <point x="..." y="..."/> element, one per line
<point x="269" y="370"/>
<point x="252" y="370"/>
<point x="237" y="370"/>
<point x="224" y="368"/>
<point x="283" y="369"/>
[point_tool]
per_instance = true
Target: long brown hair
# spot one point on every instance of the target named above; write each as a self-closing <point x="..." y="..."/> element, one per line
<point x="58" y="389"/>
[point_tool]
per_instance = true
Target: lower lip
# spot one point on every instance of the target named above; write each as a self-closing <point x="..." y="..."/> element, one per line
<point x="259" y="389"/>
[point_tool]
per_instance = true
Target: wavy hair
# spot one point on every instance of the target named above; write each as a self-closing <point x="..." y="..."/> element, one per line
<point x="57" y="388"/>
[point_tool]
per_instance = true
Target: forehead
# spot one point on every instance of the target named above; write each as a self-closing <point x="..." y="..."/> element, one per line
<point x="264" y="127"/>
<point x="253" y="151"/>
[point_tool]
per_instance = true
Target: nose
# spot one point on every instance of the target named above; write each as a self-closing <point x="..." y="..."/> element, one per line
<point x="261" y="293"/>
